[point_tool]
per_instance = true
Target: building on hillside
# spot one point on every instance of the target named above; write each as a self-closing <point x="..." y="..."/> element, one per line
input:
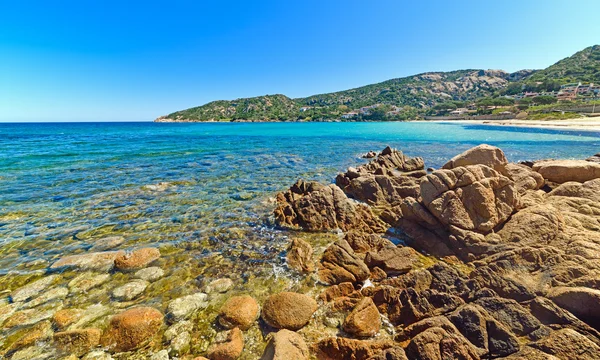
<point x="531" y="94"/>
<point x="350" y="115"/>
<point x="459" y="111"/>
<point x="304" y="108"/>
<point x="366" y="110"/>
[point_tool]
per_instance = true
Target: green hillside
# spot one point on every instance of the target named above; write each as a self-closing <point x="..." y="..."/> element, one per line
<point x="402" y="98"/>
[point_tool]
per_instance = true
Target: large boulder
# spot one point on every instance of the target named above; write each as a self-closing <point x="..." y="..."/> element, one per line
<point x="132" y="328"/>
<point x="475" y="197"/>
<point x="480" y="155"/>
<point x="284" y="345"/>
<point x="299" y="256"/>
<point x="288" y="310"/>
<point x="394" y="260"/>
<point x="335" y="348"/>
<point x="524" y="178"/>
<point x="315" y="207"/>
<point x="561" y="171"/>
<point x="340" y="264"/>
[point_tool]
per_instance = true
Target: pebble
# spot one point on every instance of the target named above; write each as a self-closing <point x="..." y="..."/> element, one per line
<point x="219" y="286"/>
<point x="152" y="273"/>
<point x="107" y="243"/>
<point x="28" y="317"/>
<point x="87" y="281"/>
<point x="181" y="343"/>
<point x="130" y="291"/>
<point x="31" y="290"/>
<point x="52" y="294"/>
<point x="161" y="355"/>
<point x="97" y="261"/>
<point x="177" y="328"/>
<point x="183" y="307"/>
<point x="97" y="355"/>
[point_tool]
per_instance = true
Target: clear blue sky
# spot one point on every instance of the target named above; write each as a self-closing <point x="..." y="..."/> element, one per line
<point x="90" y="60"/>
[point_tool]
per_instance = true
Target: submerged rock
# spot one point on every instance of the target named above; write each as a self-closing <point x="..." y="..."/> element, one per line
<point x="132" y="328"/>
<point x="34" y="289"/>
<point x="136" y="259"/>
<point x="86" y="282"/>
<point x="77" y="342"/>
<point x="239" y="311"/>
<point x="97" y="261"/>
<point x="130" y="291"/>
<point x="288" y="310"/>
<point x="230" y="349"/>
<point x="150" y="274"/>
<point x="184" y="307"/>
<point x="219" y="286"/>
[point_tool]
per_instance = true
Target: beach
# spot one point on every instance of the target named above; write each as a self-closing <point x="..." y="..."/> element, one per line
<point x="579" y="124"/>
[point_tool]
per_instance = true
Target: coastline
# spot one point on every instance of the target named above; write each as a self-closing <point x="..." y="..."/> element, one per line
<point x="580" y="124"/>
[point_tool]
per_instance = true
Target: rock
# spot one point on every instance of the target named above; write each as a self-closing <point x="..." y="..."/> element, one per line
<point x="87" y="281"/>
<point x="219" y="286"/>
<point x="130" y="329"/>
<point x="181" y="343"/>
<point x="137" y="259"/>
<point x="594" y="158"/>
<point x="97" y="355"/>
<point x="362" y="243"/>
<point x="345" y="289"/>
<point x="150" y="274"/>
<point x="90" y="314"/>
<point x="288" y="310"/>
<point x="510" y="313"/>
<point x="580" y="301"/>
<point x="284" y="345"/>
<point x="395" y="353"/>
<point x="184" y="307"/>
<point x="483" y="154"/>
<point x="53" y="294"/>
<point x="178" y="328"/>
<point x="335" y="348"/>
<point x="568" y="344"/>
<point x="34" y="289"/>
<point x="501" y="342"/>
<point x="96" y="261"/>
<point x="371" y="154"/>
<point x="472" y="324"/>
<point x="77" y="342"/>
<point x="107" y="243"/>
<point x="239" y="311"/>
<point x="230" y="349"/>
<point x="364" y="320"/>
<point x="524" y="178"/>
<point x="299" y="256"/>
<point x="161" y="355"/>
<point x="393" y="260"/>
<point x="562" y="171"/>
<point x="130" y="291"/>
<point x="437" y="343"/>
<point x="315" y="207"/>
<point x="475" y="198"/>
<point x="340" y="264"/>
<point x="27" y="317"/>
<point x="65" y="317"/>
<point x="39" y="332"/>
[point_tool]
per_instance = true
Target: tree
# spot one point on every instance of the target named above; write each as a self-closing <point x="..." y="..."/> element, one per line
<point x="544" y="100"/>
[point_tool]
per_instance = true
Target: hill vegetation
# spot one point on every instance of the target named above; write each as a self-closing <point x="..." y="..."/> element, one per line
<point x="402" y="98"/>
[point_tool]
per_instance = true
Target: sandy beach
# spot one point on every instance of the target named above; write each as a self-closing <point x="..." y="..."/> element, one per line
<point x="580" y="124"/>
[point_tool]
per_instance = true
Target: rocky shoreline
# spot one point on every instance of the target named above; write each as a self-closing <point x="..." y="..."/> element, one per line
<point x="479" y="259"/>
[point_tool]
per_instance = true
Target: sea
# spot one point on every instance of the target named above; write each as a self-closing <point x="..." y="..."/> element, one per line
<point x="203" y="193"/>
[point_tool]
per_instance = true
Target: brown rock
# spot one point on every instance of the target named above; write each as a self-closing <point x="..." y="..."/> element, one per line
<point x="98" y="261"/>
<point x="65" y="317"/>
<point x="39" y="332"/>
<point x="580" y="301"/>
<point x="362" y="243"/>
<point x="345" y="289"/>
<point x="284" y="345"/>
<point x="137" y="259"/>
<point x="239" y="311"/>
<point x="230" y="349"/>
<point x="340" y="264"/>
<point x="299" y="256"/>
<point x="336" y="348"/>
<point x="77" y="342"/>
<point x="594" y="158"/>
<point x="568" y="344"/>
<point x="394" y="260"/>
<point x="524" y="178"/>
<point x="437" y="343"/>
<point x="315" y="207"/>
<point x="473" y="198"/>
<point x="288" y="310"/>
<point x="364" y="320"/>
<point x="480" y="155"/>
<point x="131" y="328"/>
<point x="562" y="171"/>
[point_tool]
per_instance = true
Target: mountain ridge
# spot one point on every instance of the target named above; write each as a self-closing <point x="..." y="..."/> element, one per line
<point x="399" y="98"/>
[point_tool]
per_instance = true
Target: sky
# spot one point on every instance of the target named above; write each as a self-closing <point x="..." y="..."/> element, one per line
<point x="134" y="60"/>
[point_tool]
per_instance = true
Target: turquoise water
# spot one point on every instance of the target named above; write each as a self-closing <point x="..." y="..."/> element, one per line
<point x="64" y="185"/>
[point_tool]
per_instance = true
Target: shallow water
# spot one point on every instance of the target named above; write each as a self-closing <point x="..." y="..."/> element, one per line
<point x="202" y="193"/>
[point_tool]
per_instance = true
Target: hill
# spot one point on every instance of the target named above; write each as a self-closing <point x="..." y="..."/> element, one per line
<point x="401" y="98"/>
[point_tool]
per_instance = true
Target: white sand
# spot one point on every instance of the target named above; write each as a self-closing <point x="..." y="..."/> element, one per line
<point x="585" y="124"/>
